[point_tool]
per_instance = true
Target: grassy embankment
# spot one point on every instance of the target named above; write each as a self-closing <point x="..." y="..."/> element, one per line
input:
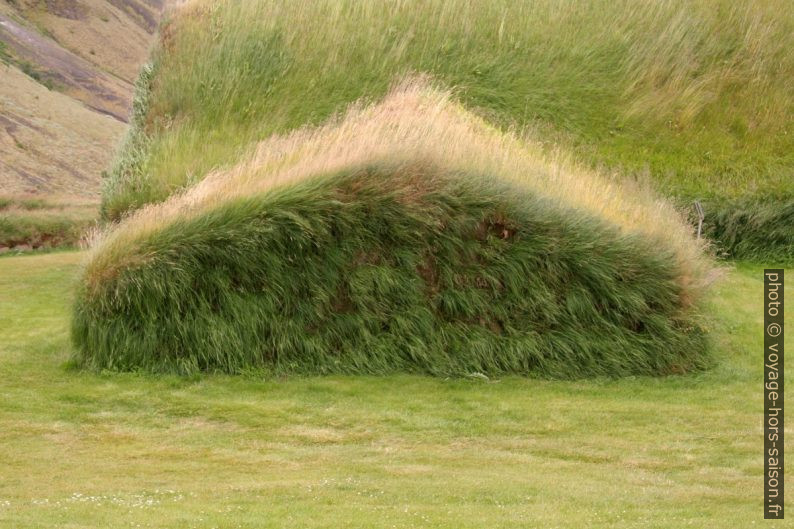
<point x="31" y="222"/>
<point x="695" y="97"/>
<point x="131" y="450"/>
<point x="409" y="236"/>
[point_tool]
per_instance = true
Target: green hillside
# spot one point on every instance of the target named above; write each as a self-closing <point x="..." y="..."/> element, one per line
<point x="695" y="97"/>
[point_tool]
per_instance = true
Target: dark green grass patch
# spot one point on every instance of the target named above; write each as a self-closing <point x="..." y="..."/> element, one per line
<point x="756" y="227"/>
<point x="360" y="272"/>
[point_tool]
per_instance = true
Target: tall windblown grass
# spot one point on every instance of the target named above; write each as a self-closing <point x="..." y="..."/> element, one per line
<point x="409" y="235"/>
<point x="696" y="93"/>
<point x="758" y="228"/>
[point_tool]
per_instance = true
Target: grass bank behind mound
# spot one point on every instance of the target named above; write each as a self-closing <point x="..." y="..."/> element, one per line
<point x="697" y="94"/>
<point x="407" y="237"/>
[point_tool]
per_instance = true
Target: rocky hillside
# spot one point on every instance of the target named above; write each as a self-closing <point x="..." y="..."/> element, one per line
<point x="67" y="69"/>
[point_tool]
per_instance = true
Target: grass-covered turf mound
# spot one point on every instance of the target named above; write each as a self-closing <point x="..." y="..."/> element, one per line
<point x="694" y="94"/>
<point x="409" y="236"/>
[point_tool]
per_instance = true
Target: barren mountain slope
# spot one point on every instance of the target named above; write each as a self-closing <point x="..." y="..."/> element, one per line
<point x="66" y="79"/>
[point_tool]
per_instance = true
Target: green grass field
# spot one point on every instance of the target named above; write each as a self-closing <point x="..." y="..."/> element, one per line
<point x="82" y="449"/>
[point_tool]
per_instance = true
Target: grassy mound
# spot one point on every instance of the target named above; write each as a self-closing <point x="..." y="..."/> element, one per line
<point x="408" y="236"/>
<point x="696" y="95"/>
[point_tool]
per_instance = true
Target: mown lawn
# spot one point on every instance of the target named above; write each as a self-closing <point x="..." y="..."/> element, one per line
<point x="82" y="449"/>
